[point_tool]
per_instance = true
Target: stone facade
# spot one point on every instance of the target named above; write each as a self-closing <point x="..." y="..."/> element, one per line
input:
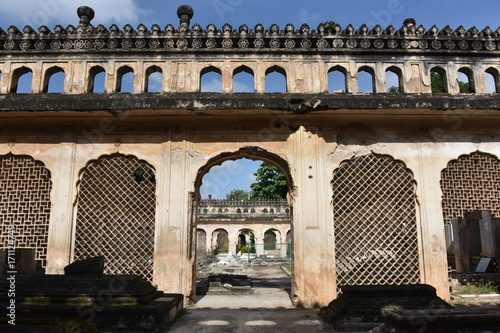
<point x="240" y="219"/>
<point x="324" y="142"/>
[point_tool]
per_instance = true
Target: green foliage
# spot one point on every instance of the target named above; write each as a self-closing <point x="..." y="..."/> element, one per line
<point x="464" y="87"/>
<point x="477" y="288"/>
<point x="242" y="248"/>
<point x="437" y="83"/>
<point x="270" y="183"/>
<point x="393" y="89"/>
<point x="238" y="195"/>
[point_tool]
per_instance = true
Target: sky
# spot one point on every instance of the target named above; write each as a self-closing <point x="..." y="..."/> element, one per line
<point x="236" y="12"/>
<point x="239" y="174"/>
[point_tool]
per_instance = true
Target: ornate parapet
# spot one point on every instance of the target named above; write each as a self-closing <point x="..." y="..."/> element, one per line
<point x="328" y="37"/>
<point x="211" y="210"/>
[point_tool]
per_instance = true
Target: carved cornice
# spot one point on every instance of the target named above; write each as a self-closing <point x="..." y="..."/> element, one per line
<point x="329" y="37"/>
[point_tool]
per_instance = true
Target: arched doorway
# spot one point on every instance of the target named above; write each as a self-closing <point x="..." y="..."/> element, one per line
<point x="239" y="210"/>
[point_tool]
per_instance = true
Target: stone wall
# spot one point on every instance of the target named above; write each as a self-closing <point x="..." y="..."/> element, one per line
<point x="307" y="133"/>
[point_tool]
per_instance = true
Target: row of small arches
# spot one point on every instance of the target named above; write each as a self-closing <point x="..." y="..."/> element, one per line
<point x="240" y="211"/>
<point x="244" y="80"/>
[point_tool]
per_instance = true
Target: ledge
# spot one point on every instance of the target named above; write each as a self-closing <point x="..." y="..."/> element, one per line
<point x="295" y="103"/>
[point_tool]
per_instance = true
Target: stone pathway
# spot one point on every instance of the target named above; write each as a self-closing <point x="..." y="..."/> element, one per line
<point x="269" y="309"/>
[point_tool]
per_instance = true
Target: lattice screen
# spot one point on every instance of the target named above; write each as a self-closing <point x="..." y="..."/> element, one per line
<point x="25" y="203"/>
<point x="471" y="183"/>
<point x="376" y="241"/>
<point x="116" y="215"/>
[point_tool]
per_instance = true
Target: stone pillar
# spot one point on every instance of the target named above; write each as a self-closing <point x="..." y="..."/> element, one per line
<point x="433" y="256"/>
<point x="457" y="248"/>
<point x="59" y="242"/>
<point x="488" y="245"/>
<point x="314" y="263"/>
<point x="259" y="240"/>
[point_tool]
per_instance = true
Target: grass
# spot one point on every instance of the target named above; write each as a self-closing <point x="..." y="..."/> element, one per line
<point x="477" y="289"/>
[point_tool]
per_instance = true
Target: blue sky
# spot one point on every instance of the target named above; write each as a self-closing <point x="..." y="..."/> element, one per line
<point x="236" y="12"/>
<point x="238" y="174"/>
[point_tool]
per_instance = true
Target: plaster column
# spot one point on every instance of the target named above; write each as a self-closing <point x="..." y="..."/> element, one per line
<point x="433" y="257"/>
<point x="314" y="264"/>
<point x="457" y="248"/>
<point x="63" y="196"/>
<point x="487" y="240"/>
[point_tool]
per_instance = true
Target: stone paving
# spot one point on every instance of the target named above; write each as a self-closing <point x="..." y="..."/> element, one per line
<point x="268" y="309"/>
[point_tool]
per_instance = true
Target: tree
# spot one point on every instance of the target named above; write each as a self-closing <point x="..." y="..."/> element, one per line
<point x="437" y="82"/>
<point x="393" y="89"/>
<point x="270" y="183"/>
<point x="238" y="195"/>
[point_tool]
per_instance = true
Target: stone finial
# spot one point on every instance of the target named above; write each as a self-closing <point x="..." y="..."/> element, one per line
<point x="409" y="21"/>
<point x="185" y="14"/>
<point x="86" y="14"/>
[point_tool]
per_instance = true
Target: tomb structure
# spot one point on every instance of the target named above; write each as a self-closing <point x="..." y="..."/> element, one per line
<point x="375" y="172"/>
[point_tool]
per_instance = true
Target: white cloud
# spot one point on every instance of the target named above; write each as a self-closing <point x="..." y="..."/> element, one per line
<point x="242" y="87"/>
<point x="310" y="18"/>
<point x="52" y="12"/>
<point x="213" y="85"/>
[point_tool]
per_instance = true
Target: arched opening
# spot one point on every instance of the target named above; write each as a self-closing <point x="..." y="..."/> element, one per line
<point x="125" y="80"/>
<point x="337" y="80"/>
<point x="154" y="79"/>
<point x="22" y="80"/>
<point x="211" y="79"/>
<point x="375" y="214"/>
<point x="216" y="184"/>
<point x="276" y="80"/>
<point x="366" y="80"/>
<point x="438" y="80"/>
<point x="54" y="80"/>
<point x="202" y="242"/>
<point x="465" y="81"/>
<point x="220" y="241"/>
<point x="115" y="218"/>
<point x="97" y="80"/>
<point x="25" y="206"/>
<point x="243" y="80"/>
<point x="491" y="77"/>
<point x="470" y="210"/>
<point x="246" y="242"/>
<point x="270" y="240"/>
<point x="393" y="80"/>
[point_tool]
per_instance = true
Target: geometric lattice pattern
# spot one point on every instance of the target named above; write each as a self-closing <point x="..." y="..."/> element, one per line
<point x="25" y="203"/>
<point x="470" y="184"/>
<point x="116" y="215"/>
<point x="376" y="240"/>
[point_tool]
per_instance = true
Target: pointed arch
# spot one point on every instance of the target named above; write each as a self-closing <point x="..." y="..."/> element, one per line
<point x="394" y="80"/>
<point x="375" y="222"/>
<point x="211" y="79"/>
<point x="22" y="80"/>
<point x="439" y="80"/>
<point x="337" y="79"/>
<point x="115" y="217"/>
<point x="97" y="80"/>
<point x="276" y="79"/>
<point x="53" y="81"/>
<point x="25" y="206"/>
<point x="366" y="79"/>
<point x="243" y="79"/>
<point x="154" y="79"/>
<point x="125" y="79"/>
<point x="466" y="82"/>
<point x="492" y="79"/>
